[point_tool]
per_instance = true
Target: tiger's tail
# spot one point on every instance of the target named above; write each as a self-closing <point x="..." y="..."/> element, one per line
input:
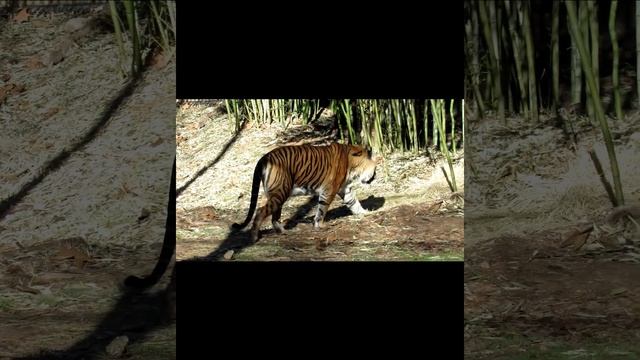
<point x="255" y="189"/>
<point x="168" y="245"/>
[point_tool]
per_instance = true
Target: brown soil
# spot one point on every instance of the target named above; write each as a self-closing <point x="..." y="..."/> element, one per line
<point x="546" y="276"/>
<point x="67" y="246"/>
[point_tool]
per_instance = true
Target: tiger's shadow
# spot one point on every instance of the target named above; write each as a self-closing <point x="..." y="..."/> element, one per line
<point x="238" y="240"/>
<point x="306" y="212"/>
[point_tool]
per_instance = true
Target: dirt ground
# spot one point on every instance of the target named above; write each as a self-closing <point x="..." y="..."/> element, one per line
<point x="546" y="275"/>
<point x="67" y="246"/>
<point x="414" y="214"/>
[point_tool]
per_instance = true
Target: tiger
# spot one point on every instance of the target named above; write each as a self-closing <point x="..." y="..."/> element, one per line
<point x="295" y="170"/>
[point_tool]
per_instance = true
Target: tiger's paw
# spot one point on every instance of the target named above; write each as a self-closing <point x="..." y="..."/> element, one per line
<point x="277" y="226"/>
<point x="254" y="237"/>
<point x="360" y="212"/>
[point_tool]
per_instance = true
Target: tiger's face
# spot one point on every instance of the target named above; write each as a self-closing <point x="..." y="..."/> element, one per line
<point x="362" y="164"/>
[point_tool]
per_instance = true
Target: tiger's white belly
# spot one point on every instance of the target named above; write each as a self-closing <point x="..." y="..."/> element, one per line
<point x="300" y="191"/>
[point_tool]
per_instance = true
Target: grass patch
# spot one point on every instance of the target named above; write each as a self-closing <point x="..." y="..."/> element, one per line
<point x="6" y="304"/>
<point x="520" y="348"/>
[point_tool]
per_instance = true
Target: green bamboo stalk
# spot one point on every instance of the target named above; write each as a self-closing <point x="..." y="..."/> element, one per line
<point x="555" y="54"/>
<point x="387" y="116"/>
<point x="495" y="42"/>
<point x="449" y="160"/>
<point x="119" y="36"/>
<point x="446" y="177"/>
<point x="395" y="105"/>
<point x="164" y="36"/>
<point x="407" y="130"/>
<point x="136" y="63"/>
<point x="378" y="121"/>
<point x="603" y="178"/>
<point x="282" y="116"/>
<point x="510" y="96"/>
<point x="442" y="126"/>
<point x="493" y="55"/>
<point x="426" y="123"/>
<point x="171" y="7"/>
<point x="591" y="82"/>
<point x="414" y="120"/>
<point x="335" y="108"/>
<point x="305" y="109"/>
<point x="594" y="30"/>
<point x="435" y="130"/>
<point x="576" y="72"/>
<point x="403" y="125"/>
<point x="453" y="127"/>
<point x="516" y="43"/>
<point x="282" y="108"/>
<point x="616" y="59"/>
<point x="249" y="108"/>
<point x="346" y="111"/>
<point x="381" y="144"/>
<point x="408" y="123"/>
<point x="252" y="108"/>
<point x="583" y="23"/>
<point x="464" y="129"/>
<point x="266" y="110"/>
<point x="531" y="72"/>
<point x="473" y="34"/>
<point x="277" y="111"/>
<point x="229" y="114"/>
<point x="237" y="112"/>
<point x="435" y="112"/>
<point x="360" y="105"/>
<point x="274" y="112"/>
<point x="443" y="145"/>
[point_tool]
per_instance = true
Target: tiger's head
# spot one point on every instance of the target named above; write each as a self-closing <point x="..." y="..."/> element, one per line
<point x="362" y="164"/>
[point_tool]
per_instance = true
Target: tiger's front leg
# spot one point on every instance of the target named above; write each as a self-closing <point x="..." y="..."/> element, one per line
<point x="324" y="200"/>
<point x="351" y="201"/>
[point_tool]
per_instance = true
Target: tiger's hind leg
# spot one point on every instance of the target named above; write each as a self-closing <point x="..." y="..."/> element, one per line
<point x="272" y="207"/>
<point x="275" y="221"/>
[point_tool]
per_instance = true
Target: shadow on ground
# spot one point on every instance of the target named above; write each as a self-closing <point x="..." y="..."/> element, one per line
<point x="239" y="240"/>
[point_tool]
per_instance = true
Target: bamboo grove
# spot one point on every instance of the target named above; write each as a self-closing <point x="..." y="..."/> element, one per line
<point x="529" y="58"/>
<point x="143" y="25"/>
<point x="385" y="125"/>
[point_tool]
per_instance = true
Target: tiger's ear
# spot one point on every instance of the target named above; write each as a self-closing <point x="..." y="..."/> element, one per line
<point x="356" y="150"/>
